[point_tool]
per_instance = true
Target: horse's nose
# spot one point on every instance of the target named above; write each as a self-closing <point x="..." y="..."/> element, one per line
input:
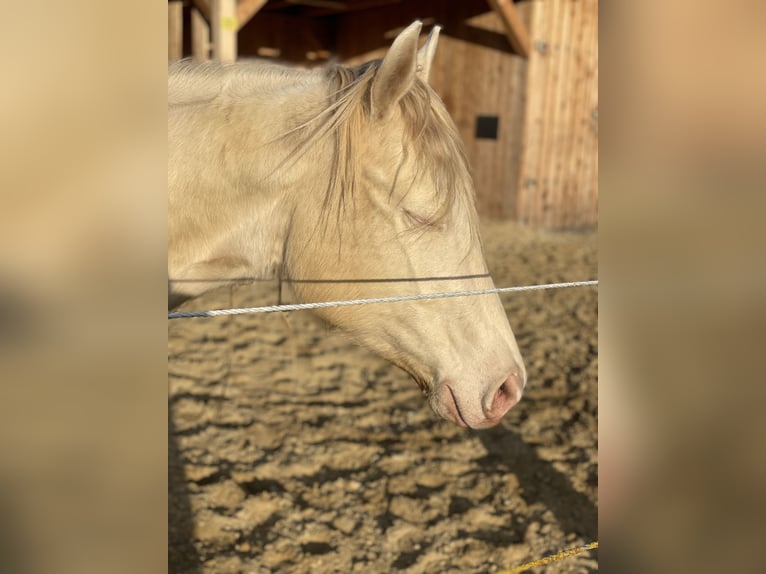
<point x="499" y="400"/>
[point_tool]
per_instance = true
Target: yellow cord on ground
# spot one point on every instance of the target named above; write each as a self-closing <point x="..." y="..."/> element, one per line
<point x="549" y="559"/>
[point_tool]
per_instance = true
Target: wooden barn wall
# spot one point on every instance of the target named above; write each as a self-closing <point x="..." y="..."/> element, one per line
<point x="559" y="169"/>
<point x="476" y="80"/>
<point x="474" y="72"/>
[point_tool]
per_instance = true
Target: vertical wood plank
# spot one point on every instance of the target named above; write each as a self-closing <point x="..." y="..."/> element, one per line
<point x="175" y="30"/>
<point x="561" y="99"/>
<point x="527" y="184"/>
<point x="200" y="36"/>
<point x="589" y="154"/>
<point x="559" y="175"/>
<point x="515" y="98"/>
<point x="223" y="24"/>
<point x="542" y="201"/>
<point x="571" y="188"/>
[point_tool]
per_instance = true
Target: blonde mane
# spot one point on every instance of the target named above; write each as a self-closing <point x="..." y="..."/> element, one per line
<point x="430" y="136"/>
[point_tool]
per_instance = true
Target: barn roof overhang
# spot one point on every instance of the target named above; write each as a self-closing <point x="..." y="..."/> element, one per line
<point x="513" y="24"/>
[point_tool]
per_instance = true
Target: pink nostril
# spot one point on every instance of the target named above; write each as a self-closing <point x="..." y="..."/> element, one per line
<point x="505" y="397"/>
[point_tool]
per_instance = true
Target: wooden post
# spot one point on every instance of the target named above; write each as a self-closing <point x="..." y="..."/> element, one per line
<point x="223" y="24"/>
<point x="175" y="30"/>
<point x="514" y="27"/>
<point x="200" y="36"/>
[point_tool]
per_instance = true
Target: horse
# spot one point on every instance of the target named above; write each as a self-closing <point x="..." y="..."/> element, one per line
<point x="353" y="182"/>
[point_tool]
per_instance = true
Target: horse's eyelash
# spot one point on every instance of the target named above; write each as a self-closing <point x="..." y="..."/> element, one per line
<point x="420" y="220"/>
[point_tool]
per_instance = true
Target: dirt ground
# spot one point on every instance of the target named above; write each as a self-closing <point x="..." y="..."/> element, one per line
<point x="293" y="450"/>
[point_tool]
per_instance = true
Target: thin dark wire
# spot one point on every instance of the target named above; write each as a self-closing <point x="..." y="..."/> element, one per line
<point x="390" y="280"/>
<point x="376" y="280"/>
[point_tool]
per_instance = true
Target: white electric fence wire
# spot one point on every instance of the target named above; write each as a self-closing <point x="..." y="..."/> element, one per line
<point x="395" y="299"/>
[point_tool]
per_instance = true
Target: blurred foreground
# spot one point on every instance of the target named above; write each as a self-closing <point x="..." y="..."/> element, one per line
<point x="83" y="416"/>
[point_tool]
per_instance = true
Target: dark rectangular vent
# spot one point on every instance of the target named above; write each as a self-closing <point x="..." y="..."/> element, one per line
<point x="486" y="127"/>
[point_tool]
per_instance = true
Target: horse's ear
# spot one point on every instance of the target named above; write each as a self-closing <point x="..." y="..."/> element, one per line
<point x="397" y="71"/>
<point x="426" y="54"/>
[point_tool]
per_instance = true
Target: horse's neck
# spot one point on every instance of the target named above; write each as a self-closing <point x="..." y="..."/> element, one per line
<point x="232" y="184"/>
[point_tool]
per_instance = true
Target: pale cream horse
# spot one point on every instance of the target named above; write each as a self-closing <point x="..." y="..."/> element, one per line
<point x="343" y="174"/>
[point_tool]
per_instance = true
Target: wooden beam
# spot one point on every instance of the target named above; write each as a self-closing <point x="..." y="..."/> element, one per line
<point x="246" y="9"/>
<point x="514" y="26"/>
<point x="204" y="7"/>
<point x="200" y="36"/>
<point x="224" y="30"/>
<point x="175" y="30"/>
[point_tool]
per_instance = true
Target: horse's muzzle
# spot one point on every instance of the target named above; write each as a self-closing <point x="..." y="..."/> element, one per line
<point x="495" y="403"/>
